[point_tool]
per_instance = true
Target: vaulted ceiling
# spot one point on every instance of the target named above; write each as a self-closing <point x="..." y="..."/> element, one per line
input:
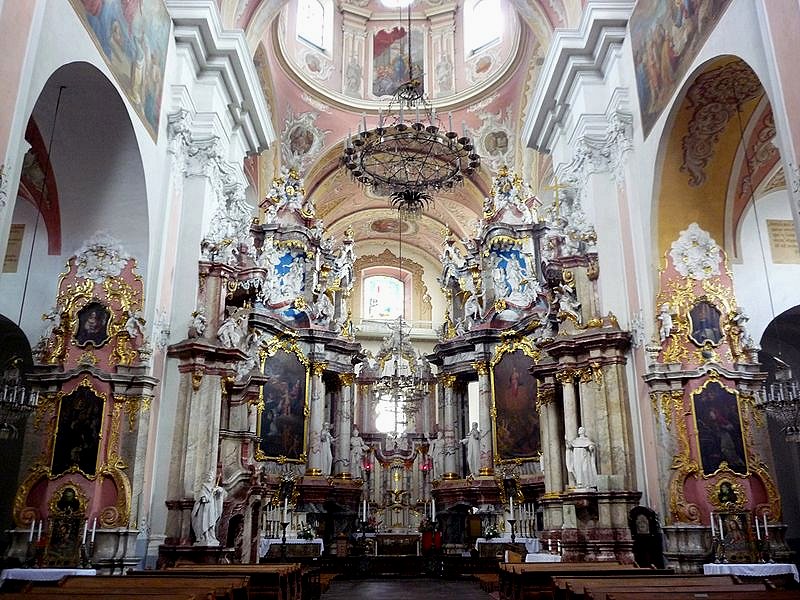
<point x="298" y="101"/>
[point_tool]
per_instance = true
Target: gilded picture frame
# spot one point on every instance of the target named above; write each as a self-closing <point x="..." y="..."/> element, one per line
<point x="284" y="406"/>
<point x="515" y="420"/>
<point x="78" y="434"/>
<point x="719" y="433"/>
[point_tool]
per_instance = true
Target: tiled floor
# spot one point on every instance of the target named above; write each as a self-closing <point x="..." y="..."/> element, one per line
<point x="404" y="589"/>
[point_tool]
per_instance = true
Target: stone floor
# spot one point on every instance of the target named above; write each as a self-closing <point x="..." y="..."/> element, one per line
<point x="404" y="589"/>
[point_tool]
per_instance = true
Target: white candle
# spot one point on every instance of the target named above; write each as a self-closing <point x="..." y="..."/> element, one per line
<point x="559" y="546"/>
<point x="30" y="535"/>
<point x="39" y="532"/>
<point x="511" y="507"/>
<point x="713" y="531"/>
<point x="721" y="530"/>
<point x="433" y="509"/>
<point x="94" y="528"/>
<point x="85" y="529"/>
<point x="766" y="531"/>
<point x="758" y="531"/>
<point x="450" y="121"/>
<point x="364" y="509"/>
<point x="364" y="120"/>
<point x="380" y="118"/>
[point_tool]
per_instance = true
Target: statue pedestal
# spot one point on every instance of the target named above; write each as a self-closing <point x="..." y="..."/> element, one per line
<point x="172" y="556"/>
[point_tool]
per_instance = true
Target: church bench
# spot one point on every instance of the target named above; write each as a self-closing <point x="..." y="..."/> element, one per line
<point x="533" y="581"/>
<point x="56" y="593"/>
<point x="268" y="581"/>
<point x="645" y="591"/>
<point x="228" y="587"/>
<point x="716" y="595"/>
<point x="572" y="587"/>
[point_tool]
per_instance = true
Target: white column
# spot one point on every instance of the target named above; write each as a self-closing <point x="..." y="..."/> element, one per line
<point x="315" y="418"/>
<point x="485" y="418"/>
<point x="344" y="420"/>
<point x="450" y="442"/>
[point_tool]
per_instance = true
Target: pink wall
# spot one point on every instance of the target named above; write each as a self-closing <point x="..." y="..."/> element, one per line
<point x="15" y="26"/>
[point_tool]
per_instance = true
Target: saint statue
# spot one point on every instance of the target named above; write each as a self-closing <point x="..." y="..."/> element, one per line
<point x="436" y="452"/>
<point x="206" y="512"/>
<point x="326" y="453"/>
<point x="665" y="320"/>
<point x="357" y="449"/>
<point x="473" y="442"/>
<point x="581" y="460"/>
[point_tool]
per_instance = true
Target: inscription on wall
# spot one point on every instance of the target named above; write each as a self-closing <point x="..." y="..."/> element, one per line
<point x="783" y="241"/>
<point x="14" y="248"/>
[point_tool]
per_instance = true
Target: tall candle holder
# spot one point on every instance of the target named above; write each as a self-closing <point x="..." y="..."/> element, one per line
<point x="513" y="522"/>
<point x="87" y="553"/>
<point x="764" y="551"/>
<point x="719" y="544"/>
<point x="284" y="526"/>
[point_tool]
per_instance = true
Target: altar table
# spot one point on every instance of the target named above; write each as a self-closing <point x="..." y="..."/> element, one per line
<point x="751" y="569"/>
<point x="542" y="558"/>
<point x="532" y="545"/>
<point x="265" y="543"/>
<point x="43" y="574"/>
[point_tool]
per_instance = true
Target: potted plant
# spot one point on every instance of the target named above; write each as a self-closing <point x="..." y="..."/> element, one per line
<point x="306" y="532"/>
<point x="490" y="532"/>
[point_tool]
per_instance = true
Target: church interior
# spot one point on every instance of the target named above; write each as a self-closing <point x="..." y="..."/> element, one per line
<point x="316" y="280"/>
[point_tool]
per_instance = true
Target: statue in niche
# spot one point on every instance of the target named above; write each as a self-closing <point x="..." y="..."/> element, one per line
<point x="665" y="321"/>
<point x="581" y="464"/>
<point x="207" y="511"/>
<point x="357" y="449"/>
<point x="198" y="325"/>
<point x="326" y="441"/>
<point x="436" y="453"/>
<point x="451" y="259"/>
<point x="473" y="443"/>
<point x="230" y="331"/>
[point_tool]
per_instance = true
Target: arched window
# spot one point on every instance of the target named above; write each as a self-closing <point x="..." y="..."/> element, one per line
<point x="315" y="23"/>
<point x="384" y="297"/>
<point x="483" y="24"/>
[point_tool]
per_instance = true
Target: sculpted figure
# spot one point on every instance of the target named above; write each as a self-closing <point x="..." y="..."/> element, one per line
<point x="473" y="442"/>
<point x="206" y="512"/>
<point x="665" y="320"/>
<point x="581" y="463"/>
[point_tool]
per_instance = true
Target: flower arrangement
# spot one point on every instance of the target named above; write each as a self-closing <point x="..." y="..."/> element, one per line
<point x="306" y="532"/>
<point x="426" y="525"/>
<point x="490" y="532"/>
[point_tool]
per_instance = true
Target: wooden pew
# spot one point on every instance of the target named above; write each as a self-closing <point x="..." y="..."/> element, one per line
<point x="227" y="587"/>
<point x="645" y="591"/>
<point x="268" y="581"/>
<point x="726" y="595"/>
<point x="572" y="587"/>
<point x="533" y="581"/>
<point x="46" y="592"/>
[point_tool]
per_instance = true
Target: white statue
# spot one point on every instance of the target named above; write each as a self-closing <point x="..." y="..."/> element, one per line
<point x="198" y="325"/>
<point x="325" y="449"/>
<point x="206" y="512"/>
<point x="343" y="264"/>
<point x="665" y="320"/>
<point x="293" y="280"/>
<point x="52" y="320"/>
<point x="357" y="449"/>
<point x="436" y="452"/>
<point x="451" y="259"/>
<point x="473" y="442"/>
<point x="230" y="332"/>
<point x="269" y="258"/>
<point x="581" y="463"/>
<point x="323" y="308"/>
<point x="134" y="325"/>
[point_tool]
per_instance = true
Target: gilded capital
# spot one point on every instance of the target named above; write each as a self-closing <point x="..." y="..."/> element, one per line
<point x="347" y="379"/>
<point x="318" y="368"/>
<point x="481" y="368"/>
<point x="447" y="381"/>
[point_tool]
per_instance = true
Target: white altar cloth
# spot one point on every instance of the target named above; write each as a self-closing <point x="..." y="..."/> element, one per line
<point x="532" y="545"/>
<point x="43" y="574"/>
<point x="265" y="543"/>
<point x="751" y="569"/>
<point x="542" y="558"/>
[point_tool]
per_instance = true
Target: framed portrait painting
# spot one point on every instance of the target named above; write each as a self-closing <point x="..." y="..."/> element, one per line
<point x="92" y="327"/>
<point x="282" y="422"/>
<point x="719" y="429"/>
<point x="80" y="422"/>
<point x="516" y="420"/>
<point x="704" y="320"/>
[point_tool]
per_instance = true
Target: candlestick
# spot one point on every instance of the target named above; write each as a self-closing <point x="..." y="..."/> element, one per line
<point x="721" y="531"/>
<point x="713" y="531"/>
<point x="450" y="121"/>
<point x="559" y="546"/>
<point x="766" y="530"/>
<point x="758" y="532"/>
<point x="433" y="509"/>
<point x="30" y="535"/>
<point x="364" y="120"/>
<point x="94" y="528"/>
<point x="364" y="510"/>
<point x="85" y="529"/>
<point x="511" y="507"/>
<point x="39" y="532"/>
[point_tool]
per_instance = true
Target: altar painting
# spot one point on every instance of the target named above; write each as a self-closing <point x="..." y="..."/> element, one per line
<point x="80" y="421"/>
<point x="390" y="59"/>
<point x="516" y="421"/>
<point x="719" y="429"/>
<point x="133" y="38"/>
<point x="282" y="422"/>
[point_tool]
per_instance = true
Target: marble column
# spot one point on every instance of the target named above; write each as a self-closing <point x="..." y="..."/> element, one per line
<point x="485" y="418"/>
<point x="450" y="443"/>
<point x="344" y="420"/>
<point x="315" y="418"/>
<point x="567" y="380"/>
<point x="554" y="457"/>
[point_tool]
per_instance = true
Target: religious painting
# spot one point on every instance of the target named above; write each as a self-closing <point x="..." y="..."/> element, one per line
<point x="496" y="142"/>
<point x="666" y="37"/>
<point x="390" y="59"/>
<point x="133" y="38"/>
<point x="93" y="325"/>
<point x="704" y="321"/>
<point x="282" y="422"/>
<point x="516" y="421"/>
<point x="80" y="421"/>
<point x="719" y="429"/>
<point x="738" y="538"/>
<point x="64" y="541"/>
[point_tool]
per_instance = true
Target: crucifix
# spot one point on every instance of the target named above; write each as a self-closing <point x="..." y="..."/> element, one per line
<point x="556" y="187"/>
